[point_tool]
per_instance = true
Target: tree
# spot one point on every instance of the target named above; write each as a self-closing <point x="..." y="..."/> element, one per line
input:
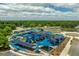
<point x="7" y="30"/>
<point x="3" y="42"/>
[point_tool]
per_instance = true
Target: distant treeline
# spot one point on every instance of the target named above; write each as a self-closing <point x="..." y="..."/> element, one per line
<point x="64" y="24"/>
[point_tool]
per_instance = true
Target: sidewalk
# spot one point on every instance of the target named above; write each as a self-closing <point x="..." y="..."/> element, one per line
<point x="66" y="49"/>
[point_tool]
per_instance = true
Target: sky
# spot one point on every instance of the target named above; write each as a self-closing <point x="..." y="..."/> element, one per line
<point x="39" y="11"/>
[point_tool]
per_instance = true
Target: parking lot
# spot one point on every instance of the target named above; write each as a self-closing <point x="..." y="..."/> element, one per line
<point x="74" y="49"/>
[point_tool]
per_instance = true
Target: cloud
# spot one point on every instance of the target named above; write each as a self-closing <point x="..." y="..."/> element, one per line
<point x="39" y="11"/>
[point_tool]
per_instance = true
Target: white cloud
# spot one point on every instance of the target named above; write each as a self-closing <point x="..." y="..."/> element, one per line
<point x="23" y="10"/>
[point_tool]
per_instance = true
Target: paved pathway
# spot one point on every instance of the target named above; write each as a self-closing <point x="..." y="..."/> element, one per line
<point x="67" y="47"/>
<point x="7" y="53"/>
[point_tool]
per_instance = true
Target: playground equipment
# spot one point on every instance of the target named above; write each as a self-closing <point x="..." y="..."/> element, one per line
<point x="34" y="39"/>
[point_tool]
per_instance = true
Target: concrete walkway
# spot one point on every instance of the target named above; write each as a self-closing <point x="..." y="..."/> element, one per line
<point x="67" y="47"/>
<point x="7" y="53"/>
<point x="44" y="52"/>
<point x="17" y="53"/>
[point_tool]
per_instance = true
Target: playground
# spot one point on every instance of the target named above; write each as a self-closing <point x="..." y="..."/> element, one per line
<point x="35" y="41"/>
